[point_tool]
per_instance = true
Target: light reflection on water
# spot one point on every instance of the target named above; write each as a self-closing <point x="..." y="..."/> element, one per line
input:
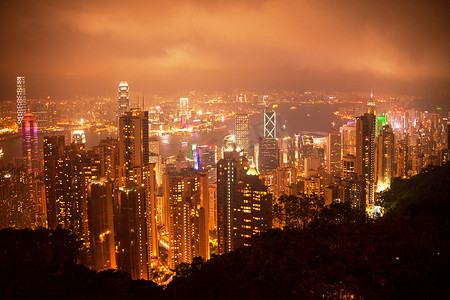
<point x="310" y="119"/>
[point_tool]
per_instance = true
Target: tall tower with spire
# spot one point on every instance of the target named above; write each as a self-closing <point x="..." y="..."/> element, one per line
<point x="21" y="99"/>
<point x="124" y="98"/>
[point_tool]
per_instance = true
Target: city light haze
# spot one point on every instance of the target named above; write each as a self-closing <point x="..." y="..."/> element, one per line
<point x="87" y="47"/>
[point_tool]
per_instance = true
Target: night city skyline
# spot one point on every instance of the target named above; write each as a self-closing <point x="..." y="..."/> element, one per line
<point x="225" y="149"/>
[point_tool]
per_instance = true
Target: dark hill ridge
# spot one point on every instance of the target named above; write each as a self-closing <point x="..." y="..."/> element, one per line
<point x="340" y="255"/>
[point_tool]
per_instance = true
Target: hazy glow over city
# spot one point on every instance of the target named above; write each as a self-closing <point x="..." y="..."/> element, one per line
<point x="85" y="47"/>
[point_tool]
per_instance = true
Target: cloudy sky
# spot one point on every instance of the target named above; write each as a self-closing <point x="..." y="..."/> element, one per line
<point x="68" y="48"/>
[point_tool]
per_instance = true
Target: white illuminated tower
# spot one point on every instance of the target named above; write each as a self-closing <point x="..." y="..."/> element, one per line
<point x="124" y="98"/>
<point x="270" y="124"/>
<point x="184" y="109"/>
<point x="241" y="128"/>
<point x="21" y="99"/>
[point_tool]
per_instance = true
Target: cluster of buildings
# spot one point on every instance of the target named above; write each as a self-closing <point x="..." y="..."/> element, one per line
<point x="135" y="209"/>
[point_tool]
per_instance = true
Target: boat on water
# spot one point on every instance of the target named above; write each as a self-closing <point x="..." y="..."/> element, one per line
<point x="293" y="107"/>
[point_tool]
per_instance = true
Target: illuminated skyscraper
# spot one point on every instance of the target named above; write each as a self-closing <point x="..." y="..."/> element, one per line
<point x="101" y="254"/>
<point x="53" y="150"/>
<point x="131" y="231"/>
<point x="385" y="158"/>
<point x="108" y="152"/>
<point x="154" y="145"/>
<point x="241" y="128"/>
<point x="230" y="170"/>
<point x="333" y="154"/>
<point x="348" y="166"/>
<point x="268" y="157"/>
<point x="138" y="181"/>
<point x="270" y="124"/>
<point x="30" y="143"/>
<point x="124" y="98"/>
<point x="187" y="199"/>
<point x="184" y="109"/>
<point x="133" y="145"/>
<point x="21" y="99"/>
<point x="365" y="154"/>
<point x="252" y="211"/>
<point x="348" y="139"/>
<point x="381" y="121"/>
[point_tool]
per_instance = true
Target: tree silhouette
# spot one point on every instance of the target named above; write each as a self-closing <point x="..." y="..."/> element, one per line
<point x="297" y="211"/>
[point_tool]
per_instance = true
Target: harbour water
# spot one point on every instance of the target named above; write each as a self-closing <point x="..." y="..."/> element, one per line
<point x="313" y="119"/>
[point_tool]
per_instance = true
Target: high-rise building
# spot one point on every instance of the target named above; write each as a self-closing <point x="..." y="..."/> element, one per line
<point x="385" y="158"/>
<point x="252" y="211"/>
<point x="348" y="139"/>
<point x="333" y="152"/>
<point x="138" y="181"/>
<point x="131" y="231"/>
<point x="401" y="157"/>
<point x="30" y="143"/>
<point x="381" y="121"/>
<point x="21" y="99"/>
<point x="150" y="184"/>
<point x="53" y="150"/>
<point x="184" y="109"/>
<point x="230" y="170"/>
<point x="348" y="166"/>
<point x="268" y="157"/>
<point x="365" y="154"/>
<point x="270" y="124"/>
<point x="123" y="98"/>
<point x="241" y="128"/>
<point x="133" y="145"/>
<point x="153" y="144"/>
<point x="101" y="254"/>
<point x="187" y="199"/>
<point x="244" y="204"/>
<point x="108" y="151"/>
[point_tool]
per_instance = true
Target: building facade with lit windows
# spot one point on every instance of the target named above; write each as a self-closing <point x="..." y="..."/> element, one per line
<point x="131" y="231"/>
<point x="385" y="157"/>
<point x="244" y="204"/>
<point x="252" y="210"/>
<point x="365" y="154"/>
<point x="30" y="143"/>
<point x="21" y="99"/>
<point x="123" y="98"/>
<point x="53" y="150"/>
<point x="133" y="145"/>
<point x="187" y="199"/>
<point x="333" y="153"/>
<point x="241" y="128"/>
<point x="101" y="253"/>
